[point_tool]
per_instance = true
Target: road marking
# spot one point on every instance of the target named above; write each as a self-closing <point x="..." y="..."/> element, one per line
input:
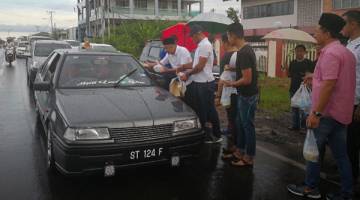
<point x="291" y="162"/>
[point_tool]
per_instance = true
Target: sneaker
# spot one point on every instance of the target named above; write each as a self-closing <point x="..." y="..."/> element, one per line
<point x="304" y="191"/>
<point x="336" y="197"/>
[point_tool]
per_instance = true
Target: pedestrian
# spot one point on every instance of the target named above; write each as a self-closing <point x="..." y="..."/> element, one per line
<point x="227" y="65"/>
<point x="352" y="30"/>
<point x="247" y="98"/>
<point x="333" y="91"/>
<point x="176" y="56"/>
<point x="200" y="91"/>
<point x="297" y="71"/>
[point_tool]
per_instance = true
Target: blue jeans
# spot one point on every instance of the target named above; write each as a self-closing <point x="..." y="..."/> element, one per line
<point x="334" y="133"/>
<point x="246" y="108"/>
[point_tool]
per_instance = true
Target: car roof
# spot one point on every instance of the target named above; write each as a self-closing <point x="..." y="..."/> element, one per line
<point x="50" y="42"/>
<point x="88" y="52"/>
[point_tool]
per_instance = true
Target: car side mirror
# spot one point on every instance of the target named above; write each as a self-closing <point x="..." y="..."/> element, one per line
<point x="42" y="86"/>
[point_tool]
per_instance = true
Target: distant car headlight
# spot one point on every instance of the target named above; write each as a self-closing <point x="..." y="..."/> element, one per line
<point x="87" y="134"/>
<point x="185" y="125"/>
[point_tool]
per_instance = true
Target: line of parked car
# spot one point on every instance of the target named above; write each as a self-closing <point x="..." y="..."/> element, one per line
<point x="102" y="111"/>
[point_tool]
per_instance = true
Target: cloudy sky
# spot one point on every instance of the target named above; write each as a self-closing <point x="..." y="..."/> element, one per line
<point x="34" y="12"/>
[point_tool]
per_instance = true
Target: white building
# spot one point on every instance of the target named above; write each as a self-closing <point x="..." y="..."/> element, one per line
<point x="101" y="13"/>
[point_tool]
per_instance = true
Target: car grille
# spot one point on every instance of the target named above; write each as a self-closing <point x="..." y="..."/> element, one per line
<point x="140" y="134"/>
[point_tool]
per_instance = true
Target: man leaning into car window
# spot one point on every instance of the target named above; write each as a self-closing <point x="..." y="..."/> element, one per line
<point x="177" y="56"/>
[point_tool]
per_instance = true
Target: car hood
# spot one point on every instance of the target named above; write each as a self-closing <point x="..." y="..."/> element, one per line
<point x="120" y="107"/>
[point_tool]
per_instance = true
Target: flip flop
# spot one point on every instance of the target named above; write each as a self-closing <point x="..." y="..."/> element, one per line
<point x="242" y="163"/>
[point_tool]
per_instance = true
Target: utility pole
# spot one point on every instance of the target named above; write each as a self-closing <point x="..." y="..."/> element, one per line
<point x="109" y="19"/>
<point x="51" y="13"/>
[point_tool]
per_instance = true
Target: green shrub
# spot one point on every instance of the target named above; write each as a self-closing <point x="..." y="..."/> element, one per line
<point x="131" y="36"/>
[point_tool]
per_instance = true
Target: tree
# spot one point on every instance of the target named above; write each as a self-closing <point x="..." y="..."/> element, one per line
<point x="233" y="14"/>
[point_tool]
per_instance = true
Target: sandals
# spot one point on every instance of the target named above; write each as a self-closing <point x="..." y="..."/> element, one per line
<point x="242" y="163"/>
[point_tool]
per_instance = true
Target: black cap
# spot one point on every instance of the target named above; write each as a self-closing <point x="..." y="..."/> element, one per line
<point x="195" y="29"/>
<point x="169" y="40"/>
<point x="332" y="22"/>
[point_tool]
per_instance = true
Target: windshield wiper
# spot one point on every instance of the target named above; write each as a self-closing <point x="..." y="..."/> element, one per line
<point x="117" y="84"/>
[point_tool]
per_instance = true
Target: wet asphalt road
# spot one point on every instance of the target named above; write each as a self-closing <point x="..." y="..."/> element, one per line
<point x="23" y="174"/>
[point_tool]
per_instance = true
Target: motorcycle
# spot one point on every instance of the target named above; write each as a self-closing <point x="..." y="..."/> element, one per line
<point x="10" y="55"/>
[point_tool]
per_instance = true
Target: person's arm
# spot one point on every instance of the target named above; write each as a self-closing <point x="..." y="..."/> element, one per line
<point x="245" y="80"/>
<point x="198" y="68"/>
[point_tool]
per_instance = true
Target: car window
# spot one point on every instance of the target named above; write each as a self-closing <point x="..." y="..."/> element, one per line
<point x="74" y="43"/>
<point x="101" y="71"/>
<point x="52" y="66"/>
<point x="44" y="50"/>
<point x="154" y="52"/>
<point x="45" y="65"/>
<point x="104" y="48"/>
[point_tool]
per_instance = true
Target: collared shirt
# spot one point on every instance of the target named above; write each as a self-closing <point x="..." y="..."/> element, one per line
<point x="354" y="46"/>
<point x="336" y="62"/>
<point x="180" y="57"/>
<point x="204" y="50"/>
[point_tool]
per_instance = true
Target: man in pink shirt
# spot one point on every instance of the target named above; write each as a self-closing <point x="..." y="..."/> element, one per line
<point x="332" y="107"/>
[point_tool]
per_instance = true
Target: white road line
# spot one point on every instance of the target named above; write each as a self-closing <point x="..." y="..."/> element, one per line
<point x="291" y="162"/>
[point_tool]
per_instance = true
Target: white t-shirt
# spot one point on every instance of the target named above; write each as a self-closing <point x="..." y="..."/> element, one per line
<point x="354" y="47"/>
<point x="204" y="50"/>
<point x="181" y="57"/>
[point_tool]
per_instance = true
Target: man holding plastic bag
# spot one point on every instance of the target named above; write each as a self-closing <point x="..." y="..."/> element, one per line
<point x="298" y="68"/>
<point x="333" y="91"/>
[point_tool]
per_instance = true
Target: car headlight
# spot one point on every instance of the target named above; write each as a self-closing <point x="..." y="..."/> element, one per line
<point x="87" y="134"/>
<point x="185" y="125"/>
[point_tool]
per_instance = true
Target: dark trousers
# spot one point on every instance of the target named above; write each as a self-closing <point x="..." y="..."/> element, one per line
<point x="353" y="146"/>
<point x="231" y="115"/>
<point x="201" y="98"/>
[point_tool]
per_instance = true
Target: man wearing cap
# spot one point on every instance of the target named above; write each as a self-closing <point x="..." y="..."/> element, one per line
<point x="333" y="95"/>
<point x="177" y="56"/>
<point x="200" y="93"/>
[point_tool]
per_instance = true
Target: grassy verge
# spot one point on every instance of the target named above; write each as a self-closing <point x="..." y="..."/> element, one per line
<point x="274" y="95"/>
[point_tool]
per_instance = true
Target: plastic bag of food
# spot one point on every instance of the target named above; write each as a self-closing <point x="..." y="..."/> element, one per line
<point x="302" y="98"/>
<point x="311" y="151"/>
<point x="177" y="87"/>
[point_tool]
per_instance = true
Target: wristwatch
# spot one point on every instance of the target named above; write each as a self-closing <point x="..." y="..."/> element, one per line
<point x="317" y="114"/>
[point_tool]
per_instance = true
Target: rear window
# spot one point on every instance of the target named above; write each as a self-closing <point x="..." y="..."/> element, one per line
<point x="44" y="50"/>
<point x="104" y="48"/>
<point x="74" y="43"/>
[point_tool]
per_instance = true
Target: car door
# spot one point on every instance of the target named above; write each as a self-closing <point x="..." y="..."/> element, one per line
<point x="46" y="75"/>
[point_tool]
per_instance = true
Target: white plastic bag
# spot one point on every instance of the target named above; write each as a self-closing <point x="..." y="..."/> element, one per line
<point x="227" y="91"/>
<point x="302" y="98"/>
<point x="311" y="151"/>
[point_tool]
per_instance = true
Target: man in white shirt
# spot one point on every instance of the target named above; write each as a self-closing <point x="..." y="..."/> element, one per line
<point x="200" y="93"/>
<point x="352" y="30"/>
<point x="177" y="56"/>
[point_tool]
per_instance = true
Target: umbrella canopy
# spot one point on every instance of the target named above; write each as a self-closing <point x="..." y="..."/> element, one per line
<point x="291" y="35"/>
<point x="213" y="23"/>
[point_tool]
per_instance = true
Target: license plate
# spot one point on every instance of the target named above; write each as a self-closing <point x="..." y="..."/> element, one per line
<point x="146" y="153"/>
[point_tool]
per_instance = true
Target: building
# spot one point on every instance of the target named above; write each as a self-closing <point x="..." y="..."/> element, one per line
<point x="72" y="33"/>
<point x="263" y="16"/>
<point x="95" y="20"/>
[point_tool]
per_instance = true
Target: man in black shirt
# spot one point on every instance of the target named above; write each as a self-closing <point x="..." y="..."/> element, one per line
<point x="297" y="70"/>
<point x="246" y="84"/>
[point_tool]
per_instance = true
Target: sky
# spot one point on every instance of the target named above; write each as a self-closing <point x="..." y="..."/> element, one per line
<point x="27" y="14"/>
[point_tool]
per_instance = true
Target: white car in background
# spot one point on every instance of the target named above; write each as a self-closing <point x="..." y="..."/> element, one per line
<point x="74" y="43"/>
<point x="101" y="47"/>
<point x="21" y="49"/>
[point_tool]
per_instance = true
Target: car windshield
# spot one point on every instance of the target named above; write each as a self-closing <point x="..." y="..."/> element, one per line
<point x="23" y="45"/>
<point x="74" y="43"/>
<point x="44" y="50"/>
<point x="81" y="71"/>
